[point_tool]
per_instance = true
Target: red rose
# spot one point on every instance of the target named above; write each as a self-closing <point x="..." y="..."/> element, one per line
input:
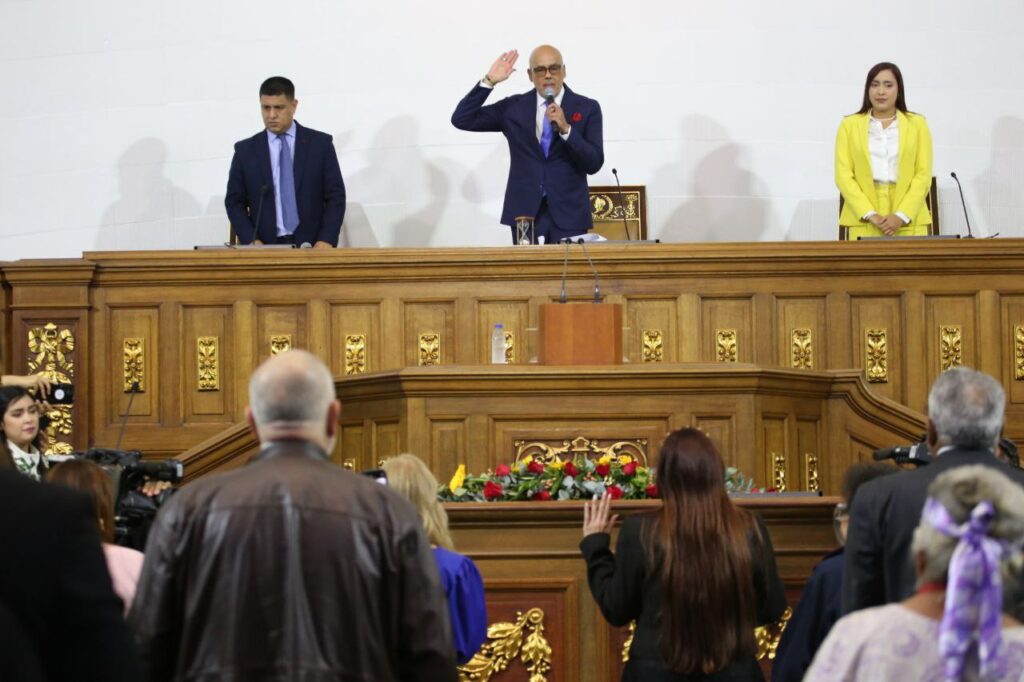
<point x="492" y="490"/>
<point x="571" y="470"/>
<point x="602" y="469"/>
<point x="629" y="469"/>
<point x="614" y="492"/>
<point x="542" y="495"/>
<point x="577" y="117"/>
<point x="535" y="467"/>
<point x="771" y="490"/>
<point x="502" y="470"/>
<point x="652" y="490"/>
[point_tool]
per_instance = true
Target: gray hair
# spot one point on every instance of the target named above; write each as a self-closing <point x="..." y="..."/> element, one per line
<point x="959" y="490"/>
<point x="966" y="407"/>
<point x="291" y="388"/>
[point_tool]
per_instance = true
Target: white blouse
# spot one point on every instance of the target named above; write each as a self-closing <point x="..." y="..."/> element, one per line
<point x="884" y="148"/>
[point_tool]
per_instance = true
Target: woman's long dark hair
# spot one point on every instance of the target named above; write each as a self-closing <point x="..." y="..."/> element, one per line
<point x="8" y="394"/>
<point x="700" y="549"/>
<point x="91" y="479"/>
<point x="901" y="98"/>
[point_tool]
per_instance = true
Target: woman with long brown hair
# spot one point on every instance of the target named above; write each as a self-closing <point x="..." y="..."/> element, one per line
<point x="697" y="576"/>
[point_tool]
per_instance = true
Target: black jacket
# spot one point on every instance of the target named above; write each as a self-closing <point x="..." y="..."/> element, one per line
<point x="878" y="568"/>
<point x="57" y="596"/>
<point x="291" y="568"/>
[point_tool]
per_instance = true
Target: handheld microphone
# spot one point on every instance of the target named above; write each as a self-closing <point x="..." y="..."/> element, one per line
<point x="597" y="280"/>
<point x="963" y="203"/>
<point x="259" y="211"/>
<point x="622" y="204"/>
<point x="127" y="411"/>
<point x="565" y="270"/>
<point x="549" y="98"/>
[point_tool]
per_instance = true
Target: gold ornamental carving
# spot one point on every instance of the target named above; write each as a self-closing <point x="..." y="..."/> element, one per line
<point x="615" y="206"/>
<point x="876" y="355"/>
<point x="801" y="351"/>
<point x="653" y="346"/>
<point x="355" y="354"/>
<point x="811" y="474"/>
<point x="778" y="472"/>
<point x="1018" y="353"/>
<point x="430" y="349"/>
<point x="725" y="342"/>
<point x="349" y="464"/>
<point x="951" y="346"/>
<point x="629" y="641"/>
<point x="510" y="348"/>
<point x="523" y="639"/>
<point x="280" y="343"/>
<point x="50" y="351"/>
<point x="768" y="636"/>
<point x="208" y="363"/>
<point x="581" y="447"/>
<point x="134" y="373"/>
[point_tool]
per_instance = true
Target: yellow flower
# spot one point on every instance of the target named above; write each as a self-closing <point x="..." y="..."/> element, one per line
<point x="458" y="478"/>
<point x="625" y="459"/>
<point x="526" y="460"/>
<point x="607" y="459"/>
<point x="558" y="464"/>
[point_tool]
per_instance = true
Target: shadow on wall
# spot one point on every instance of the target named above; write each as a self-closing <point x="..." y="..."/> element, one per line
<point x="998" y="190"/>
<point x="722" y="204"/>
<point x="815" y="220"/>
<point x="142" y="217"/>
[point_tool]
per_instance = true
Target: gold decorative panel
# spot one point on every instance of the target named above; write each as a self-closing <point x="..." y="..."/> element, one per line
<point x="779" y="472"/>
<point x="653" y="345"/>
<point x="430" y="349"/>
<point x="951" y="345"/>
<point x="1018" y="353"/>
<point x="50" y="349"/>
<point x="876" y="355"/>
<point x="811" y="472"/>
<point x="208" y="363"/>
<point x="725" y="343"/>
<point x="280" y="343"/>
<point x="581" y="447"/>
<point x="802" y="350"/>
<point x="355" y="354"/>
<point x="510" y="348"/>
<point x="134" y="364"/>
<point x="523" y="639"/>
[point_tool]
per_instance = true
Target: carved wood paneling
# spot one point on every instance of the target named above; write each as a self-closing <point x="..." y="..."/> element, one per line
<point x="128" y="324"/>
<point x="278" y="326"/>
<point x="951" y="327"/>
<point x="800" y="332"/>
<point x="435" y="319"/>
<point x="652" y="325"/>
<point x="210" y="361"/>
<point x="776" y="449"/>
<point x="880" y="313"/>
<point x="387" y="440"/>
<point x="727" y="329"/>
<point x="514" y="317"/>
<point x="356" y="320"/>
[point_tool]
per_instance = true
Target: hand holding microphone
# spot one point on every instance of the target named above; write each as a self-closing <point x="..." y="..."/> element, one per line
<point x="554" y="113"/>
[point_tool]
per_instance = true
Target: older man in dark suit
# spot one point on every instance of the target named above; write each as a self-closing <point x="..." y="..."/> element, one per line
<point x="965" y="419"/>
<point x="59" y="616"/>
<point x="286" y="177"/>
<point x="554" y="139"/>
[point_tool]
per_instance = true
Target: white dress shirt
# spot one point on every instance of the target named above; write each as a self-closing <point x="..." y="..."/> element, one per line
<point x="884" y="150"/>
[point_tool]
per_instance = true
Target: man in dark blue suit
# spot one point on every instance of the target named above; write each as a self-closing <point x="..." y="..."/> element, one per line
<point x="286" y="177"/>
<point x="554" y="139"/>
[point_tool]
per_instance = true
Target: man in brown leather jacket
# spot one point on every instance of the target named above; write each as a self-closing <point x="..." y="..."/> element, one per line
<point x="291" y="568"/>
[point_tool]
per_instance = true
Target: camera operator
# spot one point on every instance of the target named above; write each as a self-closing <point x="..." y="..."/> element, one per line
<point x="38" y="384"/>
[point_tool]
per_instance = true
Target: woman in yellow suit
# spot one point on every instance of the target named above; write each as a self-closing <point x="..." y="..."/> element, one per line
<point x="884" y="162"/>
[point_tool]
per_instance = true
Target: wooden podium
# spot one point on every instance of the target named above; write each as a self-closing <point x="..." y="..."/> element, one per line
<point x="581" y="334"/>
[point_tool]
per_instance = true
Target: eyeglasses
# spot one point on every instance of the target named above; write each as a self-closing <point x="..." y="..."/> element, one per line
<point x="554" y="70"/>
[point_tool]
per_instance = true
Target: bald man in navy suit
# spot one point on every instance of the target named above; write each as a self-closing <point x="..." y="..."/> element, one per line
<point x="554" y="138"/>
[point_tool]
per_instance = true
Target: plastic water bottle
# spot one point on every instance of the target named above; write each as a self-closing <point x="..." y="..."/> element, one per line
<point x="498" y="345"/>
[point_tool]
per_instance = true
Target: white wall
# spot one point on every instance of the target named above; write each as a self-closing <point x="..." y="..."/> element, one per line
<point x="119" y="115"/>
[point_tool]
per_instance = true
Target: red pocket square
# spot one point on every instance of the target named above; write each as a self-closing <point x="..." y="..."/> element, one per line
<point x="577" y="117"/>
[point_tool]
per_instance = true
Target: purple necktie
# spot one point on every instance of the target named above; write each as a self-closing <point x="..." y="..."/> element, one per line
<point x="547" y="134"/>
<point x="286" y="179"/>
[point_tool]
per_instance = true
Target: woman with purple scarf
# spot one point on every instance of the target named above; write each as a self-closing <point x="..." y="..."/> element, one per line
<point x="967" y="553"/>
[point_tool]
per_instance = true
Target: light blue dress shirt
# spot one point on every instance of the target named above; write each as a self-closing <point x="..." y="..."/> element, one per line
<point x="275" y="152"/>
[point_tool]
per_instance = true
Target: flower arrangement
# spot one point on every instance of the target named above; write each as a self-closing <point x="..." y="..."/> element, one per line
<point x="579" y="478"/>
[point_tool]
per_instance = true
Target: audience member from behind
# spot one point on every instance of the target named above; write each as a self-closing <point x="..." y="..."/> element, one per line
<point x="291" y="567"/>
<point x="21" y="434"/>
<point x="952" y="628"/>
<point x="124" y="563"/>
<point x="408" y="476"/>
<point x="965" y="417"/>
<point x="58" y="612"/>
<point x="697" y="576"/>
<point x="820" y="604"/>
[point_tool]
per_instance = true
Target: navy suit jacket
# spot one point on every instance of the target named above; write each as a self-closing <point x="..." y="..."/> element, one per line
<point x="563" y="174"/>
<point x="878" y="568"/>
<point x="319" y="189"/>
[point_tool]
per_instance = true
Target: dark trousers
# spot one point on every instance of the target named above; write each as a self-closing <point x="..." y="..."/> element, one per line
<point x="544" y="225"/>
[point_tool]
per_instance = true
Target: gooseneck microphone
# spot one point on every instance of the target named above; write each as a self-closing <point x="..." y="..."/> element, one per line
<point x="622" y="204"/>
<point x="565" y="270"/>
<point x="135" y="388"/>
<point x="259" y="211"/>
<point x="963" y="203"/>
<point x="597" y="280"/>
<point x="549" y="99"/>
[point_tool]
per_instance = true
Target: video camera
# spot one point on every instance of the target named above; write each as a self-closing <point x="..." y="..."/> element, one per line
<point x="134" y="511"/>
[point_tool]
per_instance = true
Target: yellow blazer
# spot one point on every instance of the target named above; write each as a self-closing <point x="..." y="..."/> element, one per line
<point x="856" y="181"/>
